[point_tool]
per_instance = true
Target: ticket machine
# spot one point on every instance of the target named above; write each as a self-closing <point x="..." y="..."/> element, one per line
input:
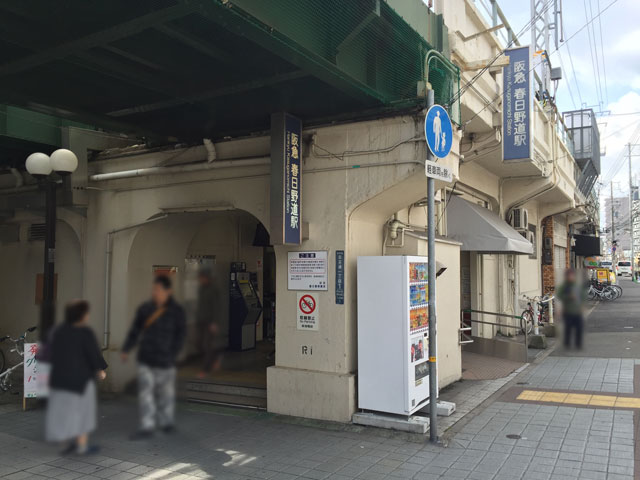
<point x="244" y="308"/>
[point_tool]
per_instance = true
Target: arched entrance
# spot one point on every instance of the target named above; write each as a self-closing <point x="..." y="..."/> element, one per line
<point x="233" y="246"/>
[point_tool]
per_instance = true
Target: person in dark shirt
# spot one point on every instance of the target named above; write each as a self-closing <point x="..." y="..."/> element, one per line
<point x="159" y="330"/>
<point x="76" y="361"/>
<point x="572" y="295"/>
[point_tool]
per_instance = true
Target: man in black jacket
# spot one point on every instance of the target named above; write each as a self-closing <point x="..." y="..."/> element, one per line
<point x="159" y="330"/>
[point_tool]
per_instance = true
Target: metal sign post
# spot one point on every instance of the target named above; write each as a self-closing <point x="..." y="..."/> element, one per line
<point x="438" y="132"/>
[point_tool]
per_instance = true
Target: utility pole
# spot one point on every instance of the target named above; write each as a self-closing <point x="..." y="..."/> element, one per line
<point x="613" y="230"/>
<point x="633" y="257"/>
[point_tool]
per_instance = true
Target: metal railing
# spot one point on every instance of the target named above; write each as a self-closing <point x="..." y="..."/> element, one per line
<point x="466" y="326"/>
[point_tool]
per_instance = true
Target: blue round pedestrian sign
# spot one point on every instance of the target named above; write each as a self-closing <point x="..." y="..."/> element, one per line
<point x="438" y="131"/>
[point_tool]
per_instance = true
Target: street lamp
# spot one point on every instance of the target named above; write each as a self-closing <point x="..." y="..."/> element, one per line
<point x="63" y="162"/>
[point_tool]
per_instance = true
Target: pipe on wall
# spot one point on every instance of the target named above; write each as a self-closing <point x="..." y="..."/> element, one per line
<point x="191" y="167"/>
<point x="107" y="274"/>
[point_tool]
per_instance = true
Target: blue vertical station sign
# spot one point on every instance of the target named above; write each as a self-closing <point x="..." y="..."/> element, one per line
<point x="517" y="106"/>
<point x="286" y="179"/>
<point x="340" y="277"/>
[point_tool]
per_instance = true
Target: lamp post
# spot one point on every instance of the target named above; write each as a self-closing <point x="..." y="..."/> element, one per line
<point x="41" y="166"/>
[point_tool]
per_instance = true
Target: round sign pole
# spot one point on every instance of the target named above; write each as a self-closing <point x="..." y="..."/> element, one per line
<point x="431" y="252"/>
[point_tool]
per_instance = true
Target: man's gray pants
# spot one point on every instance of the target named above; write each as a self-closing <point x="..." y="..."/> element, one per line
<point x="157" y="396"/>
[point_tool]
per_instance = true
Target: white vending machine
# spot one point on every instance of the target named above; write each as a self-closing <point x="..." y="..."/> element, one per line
<point x="393" y="334"/>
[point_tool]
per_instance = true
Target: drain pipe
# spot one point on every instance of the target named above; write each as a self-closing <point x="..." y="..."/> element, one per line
<point x="107" y="274"/>
<point x="190" y="167"/>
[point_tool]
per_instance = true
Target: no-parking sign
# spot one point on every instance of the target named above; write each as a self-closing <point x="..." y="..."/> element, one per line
<point x="307" y="311"/>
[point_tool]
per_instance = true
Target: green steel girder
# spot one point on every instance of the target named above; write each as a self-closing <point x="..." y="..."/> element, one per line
<point x="245" y="25"/>
<point x="211" y="94"/>
<point x="96" y="39"/>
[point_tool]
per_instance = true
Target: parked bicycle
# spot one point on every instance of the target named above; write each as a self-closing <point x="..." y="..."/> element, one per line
<point x="529" y="317"/>
<point x="6" y="384"/>
<point x="600" y="291"/>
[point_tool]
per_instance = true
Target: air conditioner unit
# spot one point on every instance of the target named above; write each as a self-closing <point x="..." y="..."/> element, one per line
<point x="519" y="218"/>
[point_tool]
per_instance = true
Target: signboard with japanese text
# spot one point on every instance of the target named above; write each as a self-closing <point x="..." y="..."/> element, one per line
<point x="286" y="180"/>
<point x="517" y="106"/>
<point x="438" y="171"/>
<point x="30" y="369"/>
<point x="308" y="270"/>
<point x="339" y="277"/>
<point x="307" y="311"/>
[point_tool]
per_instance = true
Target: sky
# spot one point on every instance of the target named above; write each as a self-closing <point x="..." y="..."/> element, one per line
<point x="616" y="89"/>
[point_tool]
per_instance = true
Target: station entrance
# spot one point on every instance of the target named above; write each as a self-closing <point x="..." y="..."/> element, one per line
<point x="223" y="271"/>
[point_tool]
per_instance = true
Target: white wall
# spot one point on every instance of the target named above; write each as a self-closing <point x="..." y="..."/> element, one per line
<point x="22" y="261"/>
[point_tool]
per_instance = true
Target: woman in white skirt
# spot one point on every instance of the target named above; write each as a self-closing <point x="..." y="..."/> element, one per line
<point x="76" y="362"/>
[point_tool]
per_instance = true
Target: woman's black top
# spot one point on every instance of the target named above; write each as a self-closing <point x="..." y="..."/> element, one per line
<point x="75" y="358"/>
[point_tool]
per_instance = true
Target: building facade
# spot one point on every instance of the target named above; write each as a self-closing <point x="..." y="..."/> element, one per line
<point x="138" y="205"/>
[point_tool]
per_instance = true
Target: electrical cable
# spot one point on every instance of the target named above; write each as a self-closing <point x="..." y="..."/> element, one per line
<point x="594" y="60"/>
<point x="604" y="65"/>
<point x="477" y="76"/>
<point x="575" y="77"/>
<point x="568" y="84"/>
<point x="498" y="97"/>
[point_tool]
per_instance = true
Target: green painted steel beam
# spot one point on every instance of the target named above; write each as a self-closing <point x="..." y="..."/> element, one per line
<point x="195" y="43"/>
<point x="240" y="23"/>
<point x="45" y="106"/>
<point x="103" y="37"/>
<point x="211" y="94"/>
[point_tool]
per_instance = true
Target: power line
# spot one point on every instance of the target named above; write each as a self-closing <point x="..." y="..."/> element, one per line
<point x="604" y="65"/>
<point x="481" y="72"/>
<point x="573" y="70"/>
<point x="565" y="43"/>
<point x="594" y="61"/>
<point x="569" y="85"/>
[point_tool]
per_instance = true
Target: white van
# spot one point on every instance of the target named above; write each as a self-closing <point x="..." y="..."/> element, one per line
<point x="606" y="264"/>
<point x="624" y="268"/>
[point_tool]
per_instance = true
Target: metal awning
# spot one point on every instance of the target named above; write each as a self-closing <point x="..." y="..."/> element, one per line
<point x="481" y="230"/>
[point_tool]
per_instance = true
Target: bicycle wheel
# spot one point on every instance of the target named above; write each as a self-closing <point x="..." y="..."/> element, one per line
<point x="5" y="384"/>
<point x="608" y="294"/>
<point x="2" y="362"/>
<point x="617" y="288"/>
<point x="526" y="321"/>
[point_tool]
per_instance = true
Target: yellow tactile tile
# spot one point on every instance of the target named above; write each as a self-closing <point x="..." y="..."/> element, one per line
<point x="628" y="402"/>
<point x="530" y="395"/>
<point x="555" y="397"/>
<point x="578" y="399"/>
<point x="603" y="400"/>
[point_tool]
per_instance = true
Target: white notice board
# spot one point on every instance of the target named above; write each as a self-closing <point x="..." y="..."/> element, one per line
<point x="30" y="369"/>
<point x="308" y="270"/>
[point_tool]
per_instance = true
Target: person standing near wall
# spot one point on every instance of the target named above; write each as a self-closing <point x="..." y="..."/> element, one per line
<point x="206" y="323"/>
<point x="159" y="330"/>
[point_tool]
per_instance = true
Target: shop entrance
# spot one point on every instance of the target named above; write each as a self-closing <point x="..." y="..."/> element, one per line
<point x="223" y="270"/>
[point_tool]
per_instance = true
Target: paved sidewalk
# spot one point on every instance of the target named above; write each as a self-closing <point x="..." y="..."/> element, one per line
<point x="556" y="442"/>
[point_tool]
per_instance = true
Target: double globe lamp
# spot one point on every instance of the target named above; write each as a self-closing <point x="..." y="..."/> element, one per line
<point x="41" y="166"/>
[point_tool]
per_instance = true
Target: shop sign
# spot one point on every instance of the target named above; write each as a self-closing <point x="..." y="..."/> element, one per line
<point x="339" y="277"/>
<point x="517" y="105"/>
<point x="286" y="179"/>
<point x="307" y="311"/>
<point x="308" y="270"/>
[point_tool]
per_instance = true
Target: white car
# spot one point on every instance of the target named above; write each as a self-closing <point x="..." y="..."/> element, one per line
<point x="623" y="268"/>
<point x="606" y="264"/>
